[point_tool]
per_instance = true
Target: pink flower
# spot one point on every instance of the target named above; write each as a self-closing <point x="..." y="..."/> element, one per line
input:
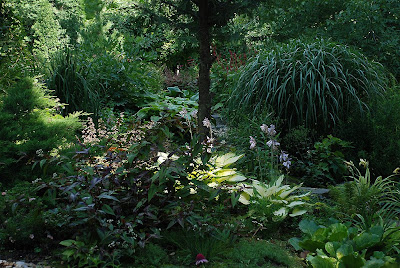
<point x="200" y="259"/>
<point x="3" y="193"/>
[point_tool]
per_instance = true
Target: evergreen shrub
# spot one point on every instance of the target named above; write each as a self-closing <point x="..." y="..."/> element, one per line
<point x="30" y="125"/>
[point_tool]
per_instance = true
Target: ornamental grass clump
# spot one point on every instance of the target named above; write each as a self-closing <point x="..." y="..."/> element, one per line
<point x="313" y="84"/>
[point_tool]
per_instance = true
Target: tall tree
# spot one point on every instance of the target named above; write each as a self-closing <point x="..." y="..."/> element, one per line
<point x="203" y="17"/>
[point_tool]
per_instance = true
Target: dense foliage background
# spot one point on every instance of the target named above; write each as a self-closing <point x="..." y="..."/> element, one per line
<point x="101" y="107"/>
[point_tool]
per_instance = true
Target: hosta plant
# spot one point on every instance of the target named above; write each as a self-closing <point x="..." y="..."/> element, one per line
<point x="274" y="201"/>
<point x="339" y="245"/>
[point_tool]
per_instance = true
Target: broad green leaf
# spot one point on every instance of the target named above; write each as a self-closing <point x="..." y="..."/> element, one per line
<point x="321" y="235"/>
<point x="344" y="250"/>
<point x="321" y="261"/>
<point x="330" y="248"/>
<point x="338" y="232"/>
<point x="353" y="260"/>
<point x="309" y="227"/>
<point x="366" y="240"/>
<point x="294" y="241"/>
<point x="311" y="245"/>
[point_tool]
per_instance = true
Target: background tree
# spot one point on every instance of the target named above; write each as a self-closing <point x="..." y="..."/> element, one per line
<point x="202" y="17"/>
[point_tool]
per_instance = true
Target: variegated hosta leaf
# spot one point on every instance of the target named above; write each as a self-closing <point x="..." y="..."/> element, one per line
<point x="224" y="172"/>
<point x="244" y="198"/>
<point x="295" y="203"/>
<point x="227" y="159"/>
<point x="297" y="212"/>
<point x="236" y="178"/>
<point x="282" y="212"/>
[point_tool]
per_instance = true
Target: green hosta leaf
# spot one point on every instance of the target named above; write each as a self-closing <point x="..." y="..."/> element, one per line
<point x="321" y="235"/>
<point x="174" y="90"/>
<point x="352" y="260"/>
<point x="294" y="241"/>
<point x="338" y="232"/>
<point x="286" y="193"/>
<point x="311" y="245"/>
<point x="366" y="240"/>
<point x="330" y="248"/>
<point x="308" y="227"/>
<point x="377" y="230"/>
<point x="322" y="261"/>
<point x="344" y="250"/>
<point x="374" y="263"/>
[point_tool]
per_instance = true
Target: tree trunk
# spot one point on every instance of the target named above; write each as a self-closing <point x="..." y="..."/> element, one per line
<point x="205" y="66"/>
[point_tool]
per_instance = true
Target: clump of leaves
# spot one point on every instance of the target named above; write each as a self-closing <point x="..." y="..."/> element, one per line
<point x="324" y="164"/>
<point x="339" y="244"/>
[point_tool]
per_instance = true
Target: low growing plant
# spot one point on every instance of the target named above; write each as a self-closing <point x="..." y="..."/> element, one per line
<point x="338" y="244"/>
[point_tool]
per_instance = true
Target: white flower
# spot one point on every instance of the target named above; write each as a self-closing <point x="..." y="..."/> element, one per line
<point x="253" y="143"/>
<point x="273" y="144"/>
<point x="207" y="123"/>
<point x="270" y="131"/>
<point x="283" y="157"/>
<point x="264" y="128"/>
<point x="287" y="164"/>
<point x="194" y="113"/>
<point x="183" y="113"/>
